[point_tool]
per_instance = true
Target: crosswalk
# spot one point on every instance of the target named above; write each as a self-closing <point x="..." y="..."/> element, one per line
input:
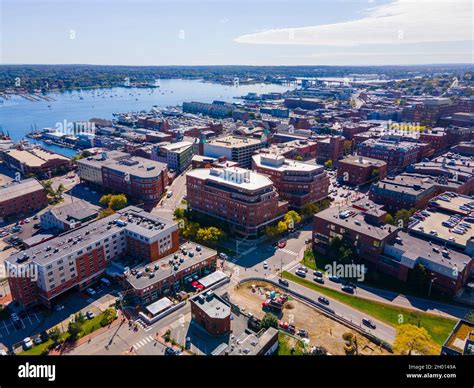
<point x="143" y="325"/>
<point x="143" y="342"/>
<point x="288" y="252"/>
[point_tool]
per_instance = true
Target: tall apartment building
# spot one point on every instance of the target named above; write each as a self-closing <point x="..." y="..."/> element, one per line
<point x="397" y="154"/>
<point x="234" y="148"/>
<point x="357" y="170"/>
<point x="78" y="258"/>
<point x="246" y="200"/>
<point x="296" y="182"/>
<point x="22" y="197"/>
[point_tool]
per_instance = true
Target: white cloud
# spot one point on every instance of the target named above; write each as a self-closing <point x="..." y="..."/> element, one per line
<point x="399" y="22"/>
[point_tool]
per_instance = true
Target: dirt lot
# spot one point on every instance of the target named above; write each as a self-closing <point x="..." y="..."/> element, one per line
<point x="322" y="330"/>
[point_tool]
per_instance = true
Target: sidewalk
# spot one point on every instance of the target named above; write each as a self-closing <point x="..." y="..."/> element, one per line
<point x="88" y="338"/>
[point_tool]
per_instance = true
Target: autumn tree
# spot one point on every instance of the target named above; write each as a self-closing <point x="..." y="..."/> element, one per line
<point x="413" y="339"/>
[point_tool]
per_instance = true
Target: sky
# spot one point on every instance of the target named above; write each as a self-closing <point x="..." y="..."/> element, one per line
<point x="236" y="32"/>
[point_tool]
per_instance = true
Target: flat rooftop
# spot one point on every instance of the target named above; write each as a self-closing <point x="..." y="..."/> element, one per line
<point x="389" y="145"/>
<point x="234" y="142"/>
<point x="355" y="221"/>
<point x="452" y="205"/>
<point x="443" y="233"/>
<point x="18" y="189"/>
<point x="162" y="269"/>
<point x="362" y="161"/>
<point x="407" y="184"/>
<point x="280" y="163"/>
<point x="234" y="177"/>
<point x="214" y="306"/>
<point x="132" y="219"/>
<point x="461" y="332"/>
<point x="415" y="247"/>
<point x="140" y="167"/>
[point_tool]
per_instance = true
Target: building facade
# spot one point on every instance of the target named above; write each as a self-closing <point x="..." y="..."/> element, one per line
<point x="296" y="182"/>
<point x="247" y="201"/>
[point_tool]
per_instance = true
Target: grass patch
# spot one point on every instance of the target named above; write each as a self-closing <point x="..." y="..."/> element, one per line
<point x="285" y="344"/>
<point x="319" y="263"/>
<point x="438" y="327"/>
<point x="390" y="283"/>
<point x="37" y="350"/>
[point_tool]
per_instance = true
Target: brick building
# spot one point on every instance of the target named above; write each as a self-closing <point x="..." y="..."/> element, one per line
<point x="404" y="191"/>
<point x="396" y="154"/>
<point x="36" y="161"/>
<point x="244" y="199"/>
<point x="79" y="258"/>
<point x="212" y="313"/>
<point x="22" y="197"/>
<point x="330" y="148"/>
<point x="362" y="226"/>
<point x="358" y="170"/>
<point x="296" y="182"/>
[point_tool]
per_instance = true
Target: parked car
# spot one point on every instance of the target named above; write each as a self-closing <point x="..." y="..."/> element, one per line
<point x="303" y="268"/>
<point x="170" y="352"/>
<point x="335" y="279"/>
<point x="90" y="315"/>
<point x="281" y="244"/>
<point x="37" y="340"/>
<point x="318" y="280"/>
<point x="58" y="307"/>
<point x="323" y="300"/>
<point x="283" y="282"/>
<point x="367" y="322"/>
<point x="303" y="333"/>
<point x="265" y="265"/>
<point x="348" y="289"/>
<point x="27" y="343"/>
<point x="169" y="194"/>
<point x="91" y="291"/>
<point x="318" y="274"/>
<point x="301" y="273"/>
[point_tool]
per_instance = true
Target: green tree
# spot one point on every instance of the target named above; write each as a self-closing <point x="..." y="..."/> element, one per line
<point x="114" y="202"/>
<point x="309" y="209"/>
<point x="282" y="227"/>
<point x="329" y="164"/>
<point x="210" y="235"/>
<point x="271" y="231"/>
<point x="108" y="317"/>
<point x="299" y="158"/>
<point x="54" y="334"/>
<point x="292" y="219"/>
<point x="118" y="202"/>
<point x="105" y="199"/>
<point x="190" y="230"/>
<point x="179" y="213"/>
<point x="269" y="320"/>
<point x="105" y="213"/>
<point x="411" y="338"/>
<point x="74" y="329"/>
<point x="389" y="219"/>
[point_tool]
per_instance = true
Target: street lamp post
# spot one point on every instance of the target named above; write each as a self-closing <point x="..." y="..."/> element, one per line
<point x="431" y="283"/>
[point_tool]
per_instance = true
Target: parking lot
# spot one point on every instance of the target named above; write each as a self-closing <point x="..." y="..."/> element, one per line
<point x="37" y="320"/>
